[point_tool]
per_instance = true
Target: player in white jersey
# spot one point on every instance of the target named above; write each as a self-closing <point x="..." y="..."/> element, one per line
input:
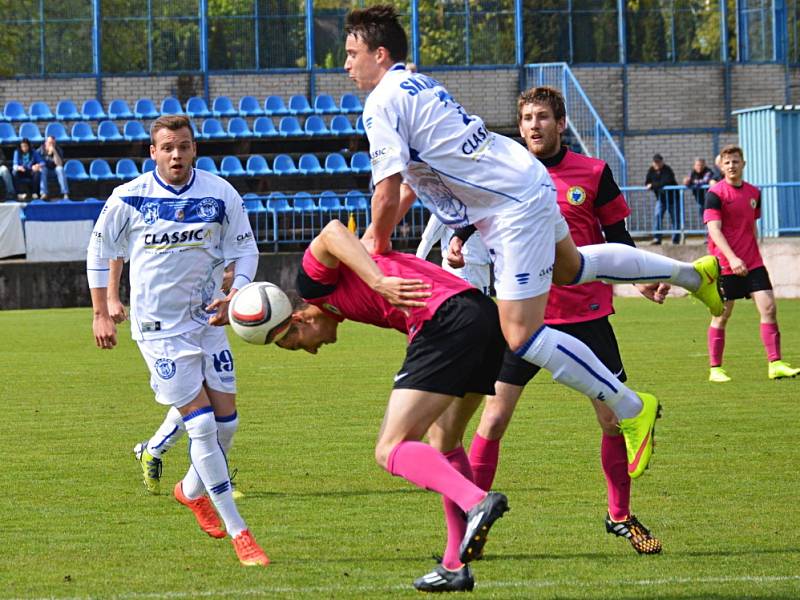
<point x="466" y="174"/>
<point x="180" y="227"/>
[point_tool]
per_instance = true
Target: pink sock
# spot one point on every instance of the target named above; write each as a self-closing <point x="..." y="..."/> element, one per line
<point x="426" y="467"/>
<point x="483" y="457"/>
<point x="771" y="338"/>
<point x="716" y="345"/>
<point x="454" y="516"/>
<point x="615" y="466"/>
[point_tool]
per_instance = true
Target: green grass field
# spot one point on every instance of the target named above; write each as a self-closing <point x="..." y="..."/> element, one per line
<point x="721" y="492"/>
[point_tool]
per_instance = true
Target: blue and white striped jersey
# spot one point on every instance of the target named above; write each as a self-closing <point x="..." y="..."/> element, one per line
<point x="178" y="242"/>
<point x="458" y="168"/>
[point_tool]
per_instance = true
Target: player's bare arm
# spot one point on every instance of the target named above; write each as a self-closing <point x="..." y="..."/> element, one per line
<point x="715" y="232"/>
<point x="103" y="327"/>
<point x="116" y="309"/>
<point x="386" y="211"/>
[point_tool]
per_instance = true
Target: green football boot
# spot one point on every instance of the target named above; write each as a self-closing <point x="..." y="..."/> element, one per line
<point x="778" y="369"/>
<point x="151" y="468"/>
<point x="639" y="434"/>
<point x="709" y="292"/>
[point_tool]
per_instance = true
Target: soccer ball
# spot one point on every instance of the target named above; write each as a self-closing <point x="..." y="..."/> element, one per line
<point x="260" y="313"/>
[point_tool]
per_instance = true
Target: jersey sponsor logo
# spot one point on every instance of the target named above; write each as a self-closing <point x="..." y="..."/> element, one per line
<point x="381" y="154"/>
<point x="208" y="209"/>
<point x="476" y="143"/>
<point x="399" y="376"/>
<point x="545" y="272"/>
<point x="149" y="212"/>
<point x="191" y="237"/>
<point x="576" y="195"/>
<point x="165" y="368"/>
<point x="243" y="237"/>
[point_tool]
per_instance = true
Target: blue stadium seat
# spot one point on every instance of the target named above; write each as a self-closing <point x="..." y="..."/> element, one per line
<point x="74" y="169"/>
<point x="263" y="127"/>
<point x="126" y="169"/>
<point x="298" y="105"/>
<point x="14" y="111"/>
<point x="324" y="104"/>
<point x="212" y="130"/>
<point x="197" y="108"/>
<point x="359" y="163"/>
<point x="223" y="107"/>
<point x="290" y="126"/>
<point x="92" y="110"/>
<point x="133" y="131"/>
<point x="253" y="203"/>
<point x="355" y="200"/>
<point x="31" y="131"/>
<point x="303" y="202"/>
<point x="274" y="106"/>
<point x="309" y="165"/>
<point x="40" y="111"/>
<point x="257" y="165"/>
<point x="238" y="128"/>
<point x="145" y="109"/>
<point x="329" y="200"/>
<point x="284" y="165"/>
<point x="249" y="106"/>
<point x="148" y="164"/>
<point x="335" y="163"/>
<point x="119" y="109"/>
<point x="278" y="202"/>
<point x="100" y="170"/>
<point x="107" y="131"/>
<point x="206" y="163"/>
<point x="171" y="106"/>
<point x="316" y="126"/>
<point x="340" y="125"/>
<point x="8" y="134"/>
<point x="67" y="111"/>
<point x="360" y="126"/>
<point x="350" y="103"/>
<point x="82" y="132"/>
<point x="58" y="131"/>
<point x="231" y="166"/>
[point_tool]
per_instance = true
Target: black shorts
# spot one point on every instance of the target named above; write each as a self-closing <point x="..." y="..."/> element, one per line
<point x="459" y="351"/>
<point x="597" y="334"/>
<point x="736" y="286"/>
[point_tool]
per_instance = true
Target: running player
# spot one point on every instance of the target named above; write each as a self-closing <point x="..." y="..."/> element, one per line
<point x="180" y="227"/>
<point x="456" y="330"/>
<point x="466" y="174"/>
<point x="732" y="208"/>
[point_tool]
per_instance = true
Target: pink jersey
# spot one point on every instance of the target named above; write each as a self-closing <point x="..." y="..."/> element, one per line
<point x="737" y="209"/>
<point x="343" y="295"/>
<point x="589" y="199"/>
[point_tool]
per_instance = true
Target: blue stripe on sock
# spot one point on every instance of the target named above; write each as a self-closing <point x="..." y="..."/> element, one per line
<point x="580" y="271"/>
<point x="587" y="367"/>
<point x="221" y="487"/>
<point x="166" y="437"/>
<point x="524" y="348"/>
<point x="227" y="419"/>
<point x="197" y="413"/>
<point x="639" y="278"/>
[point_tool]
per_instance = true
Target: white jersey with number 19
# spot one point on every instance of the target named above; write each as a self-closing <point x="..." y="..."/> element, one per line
<point x="457" y="167"/>
<point x="179" y="241"/>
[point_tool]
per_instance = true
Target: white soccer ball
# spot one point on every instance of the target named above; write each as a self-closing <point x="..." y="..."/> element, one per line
<point x="260" y="313"/>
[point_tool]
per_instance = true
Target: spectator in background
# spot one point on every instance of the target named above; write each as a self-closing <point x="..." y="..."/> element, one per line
<point x="54" y="162"/>
<point x="697" y="180"/>
<point x="660" y="175"/>
<point x="5" y="175"/>
<point x="28" y="165"/>
<point x="716" y="171"/>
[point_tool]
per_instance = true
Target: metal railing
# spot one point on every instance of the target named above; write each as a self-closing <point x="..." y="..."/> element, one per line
<point x="586" y="125"/>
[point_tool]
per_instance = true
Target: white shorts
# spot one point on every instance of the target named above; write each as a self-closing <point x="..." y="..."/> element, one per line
<point x="180" y="364"/>
<point x="522" y="242"/>
<point x="477" y="275"/>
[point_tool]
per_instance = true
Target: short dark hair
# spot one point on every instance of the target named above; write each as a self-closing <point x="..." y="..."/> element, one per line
<point x="657" y="158"/>
<point x="732" y="149"/>
<point x="171" y="122"/>
<point x="379" y="26"/>
<point x="546" y="95"/>
<point x="24" y="141"/>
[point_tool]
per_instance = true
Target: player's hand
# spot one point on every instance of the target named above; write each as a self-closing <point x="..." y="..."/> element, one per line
<point x="116" y="310"/>
<point x="738" y="267"/>
<point x="105" y="332"/>
<point x="657" y="292"/>
<point x="220" y="309"/>
<point x="405" y="293"/>
<point x="368" y="241"/>
<point x="455" y="258"/>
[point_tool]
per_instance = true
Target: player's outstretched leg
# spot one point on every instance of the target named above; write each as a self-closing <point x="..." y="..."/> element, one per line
<point x="444" y="580"/>
<point x="151" y="468"/>
<point x="637" y="534"/>
<point x="149" y="452"/>
<point x="203" y="510"/>
<point x="480" y="519"/>
<point x="639" y="434"/>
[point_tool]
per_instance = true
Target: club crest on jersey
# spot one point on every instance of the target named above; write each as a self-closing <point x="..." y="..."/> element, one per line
<point x="165" y="368"/>
<point x="150" y="212"/>
<point x="753" y="203"/>
<point x="576" y="195"/>
<point x="207" y="209"/>
<point x="179" y="214"/>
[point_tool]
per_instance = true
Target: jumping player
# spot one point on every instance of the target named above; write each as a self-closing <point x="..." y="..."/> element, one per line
<point x="180" y="227"/>
<point x="731" y="210"/>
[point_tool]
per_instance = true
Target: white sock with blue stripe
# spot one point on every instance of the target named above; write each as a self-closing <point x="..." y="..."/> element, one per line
<point x="572" y="363"/>
<point x="226" y="428"/>
<point x="620" y="263"/>
<point x="168" y="434"/>
<point x="209" y="462"/>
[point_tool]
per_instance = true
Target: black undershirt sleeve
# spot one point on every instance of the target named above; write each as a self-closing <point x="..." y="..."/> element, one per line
<point x="310" y="289"/>
<point x="608" y="189"/>
<point x="617" y="233"/>
<point x="713" y="201"/>
<point x="464" y="233"/>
